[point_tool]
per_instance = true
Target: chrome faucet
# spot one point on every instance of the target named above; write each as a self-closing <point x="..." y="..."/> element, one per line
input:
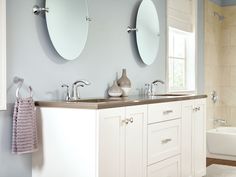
<point x="150" y="88"/>
<point x="75" y="95"/>
<point x="67" y="98"/>
<point x="158" y="81"/>
<point x="220" y="122"/>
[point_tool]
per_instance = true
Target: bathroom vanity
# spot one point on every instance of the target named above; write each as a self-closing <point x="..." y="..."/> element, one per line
<point x="131" y="137"/>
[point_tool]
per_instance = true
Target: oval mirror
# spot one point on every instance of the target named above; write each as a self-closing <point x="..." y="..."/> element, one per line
<point x="148" y="32"/>
<point x="67" y="23"/>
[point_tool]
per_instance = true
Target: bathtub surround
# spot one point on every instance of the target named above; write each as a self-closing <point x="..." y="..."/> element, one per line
<point x="220" y="44"/>
<point x="212" y="60"/>
<point x="31" y="56"/>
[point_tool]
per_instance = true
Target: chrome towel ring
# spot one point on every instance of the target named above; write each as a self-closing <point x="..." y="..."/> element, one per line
<point x="20" y="81"/>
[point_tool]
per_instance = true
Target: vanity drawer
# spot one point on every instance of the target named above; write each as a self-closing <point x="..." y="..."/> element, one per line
<point x="164" y="111"/>
<point x="166" y="168"/>
<point x="163" y="140"/>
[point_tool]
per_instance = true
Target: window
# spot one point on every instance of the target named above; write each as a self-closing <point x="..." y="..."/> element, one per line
<point x="181" y="60"/>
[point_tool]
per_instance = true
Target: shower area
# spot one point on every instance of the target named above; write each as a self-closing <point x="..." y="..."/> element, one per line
<point x="220" y="80"/>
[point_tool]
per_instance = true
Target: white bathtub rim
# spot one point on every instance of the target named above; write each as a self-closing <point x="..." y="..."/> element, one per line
<point x="220" y="130"/>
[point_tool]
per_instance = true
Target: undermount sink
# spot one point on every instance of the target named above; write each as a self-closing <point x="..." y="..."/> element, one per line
<point x="172" y="94"/>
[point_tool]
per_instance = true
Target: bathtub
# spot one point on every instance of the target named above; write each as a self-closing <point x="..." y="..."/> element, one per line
<point x="221" y="142"/>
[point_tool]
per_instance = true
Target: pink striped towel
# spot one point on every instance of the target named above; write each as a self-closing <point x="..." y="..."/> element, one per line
<point x="24" y="129"/>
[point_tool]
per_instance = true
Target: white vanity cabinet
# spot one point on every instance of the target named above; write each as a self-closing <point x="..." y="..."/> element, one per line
<point x="92" y="143"/>
<point x="193" y="138"/>
<point x="150" y="140"/>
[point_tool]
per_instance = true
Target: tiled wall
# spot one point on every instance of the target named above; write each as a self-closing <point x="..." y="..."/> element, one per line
<point x="228" y="63"/>
<point x="220" y="62"/>
<point x="212" y="59"/>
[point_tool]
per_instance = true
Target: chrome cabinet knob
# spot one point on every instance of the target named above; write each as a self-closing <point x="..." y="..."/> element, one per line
<point x="197" y="109"/>
<point x="127" y="121"/>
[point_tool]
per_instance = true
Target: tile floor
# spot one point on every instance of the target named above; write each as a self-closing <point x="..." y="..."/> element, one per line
<point x="221" y="171"/>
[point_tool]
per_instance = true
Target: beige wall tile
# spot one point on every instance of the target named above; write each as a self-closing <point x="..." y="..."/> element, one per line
<point x="233" y="76"/>
<point x="225" y="76"/>
<point x="228" y="56"/>
<point x="228" y="95"/>
<point x="225" y="37"/>
<point x="233" y="34"/>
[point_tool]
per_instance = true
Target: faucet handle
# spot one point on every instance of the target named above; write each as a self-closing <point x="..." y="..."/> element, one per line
<point x="148" y="89"/>
<point x="67" y="98"/>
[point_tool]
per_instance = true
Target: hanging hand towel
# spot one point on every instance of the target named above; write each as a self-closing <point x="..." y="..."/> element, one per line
<point x="24" y="129"/>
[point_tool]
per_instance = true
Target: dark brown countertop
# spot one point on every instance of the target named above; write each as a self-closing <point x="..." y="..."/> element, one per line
<point x="103" y="103"/>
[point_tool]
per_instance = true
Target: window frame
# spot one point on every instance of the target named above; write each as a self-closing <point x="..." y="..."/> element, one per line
<point x="195" y="30"/>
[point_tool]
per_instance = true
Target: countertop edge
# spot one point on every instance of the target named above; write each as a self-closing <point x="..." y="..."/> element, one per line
<point x="114" y="104"/>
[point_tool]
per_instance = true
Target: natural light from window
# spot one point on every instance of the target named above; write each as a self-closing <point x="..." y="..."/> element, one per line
<point x="181" y="61"/>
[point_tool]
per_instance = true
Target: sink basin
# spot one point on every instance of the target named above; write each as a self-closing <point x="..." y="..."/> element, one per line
<point x="96" y="100"/>
<point x="172" y="94"/>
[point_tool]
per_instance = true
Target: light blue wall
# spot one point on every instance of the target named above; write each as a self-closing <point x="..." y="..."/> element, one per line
<point x="228" y="2"/>
<point x="225" y="2"/>
<point x="219" y="2"/>
<point x="109" y="49"/>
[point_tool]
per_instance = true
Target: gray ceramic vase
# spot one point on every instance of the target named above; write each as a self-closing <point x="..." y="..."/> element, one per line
<point x="124" y="83"/>
<point x="115" y="90"/>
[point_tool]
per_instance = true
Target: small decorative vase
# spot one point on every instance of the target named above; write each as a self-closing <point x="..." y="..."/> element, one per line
<point x="124" y="83"/>
<point x="115" y="90"/>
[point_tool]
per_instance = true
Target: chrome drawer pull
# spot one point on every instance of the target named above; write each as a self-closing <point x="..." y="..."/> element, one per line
<point x="168" y="112"/>
<point x="165" y="141"/>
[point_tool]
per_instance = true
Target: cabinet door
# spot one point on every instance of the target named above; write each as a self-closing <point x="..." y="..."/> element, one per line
<point x="111" y="142"/>
<point x="186" y="151"/>
<point x="199" y="138"/>
<point x="136" y="141"/>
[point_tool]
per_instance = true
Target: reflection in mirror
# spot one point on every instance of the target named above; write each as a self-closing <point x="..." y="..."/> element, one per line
<point x="2" y="54"/>
<point x="67" y="23"/>
<point x="148" y="32"/>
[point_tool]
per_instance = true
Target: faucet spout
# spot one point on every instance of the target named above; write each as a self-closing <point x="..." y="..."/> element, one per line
<point x="75" y="95"/>
<point x="158" y="81"/>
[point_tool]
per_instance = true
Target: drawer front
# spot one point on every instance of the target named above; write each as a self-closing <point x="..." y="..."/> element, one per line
<point x="166" y="168"/>
<point x="163" y="111"/>
<point x="163" y="140"/>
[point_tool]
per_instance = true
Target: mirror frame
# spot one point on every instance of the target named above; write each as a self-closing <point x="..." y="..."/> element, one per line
<point x="3" y="54"/>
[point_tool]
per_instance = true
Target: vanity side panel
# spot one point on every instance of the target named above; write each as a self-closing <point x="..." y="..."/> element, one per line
<point x="67" y="143"/>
